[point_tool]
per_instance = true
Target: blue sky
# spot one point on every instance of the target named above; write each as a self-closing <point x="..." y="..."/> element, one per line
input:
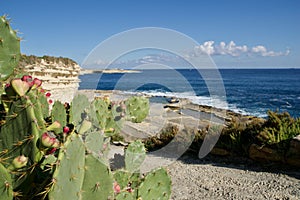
<point x="238" y="34"/>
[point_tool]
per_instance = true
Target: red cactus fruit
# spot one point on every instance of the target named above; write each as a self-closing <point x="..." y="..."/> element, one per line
<point x="28" y="79"/>
<point x="37" y="82"/>
<point x="51" y="151"/>
<point x="117" y="188"/>
<point x="66" y="129"/>
<point x="19" y="162"/>
<point x="49" y="140"/>
<point x="48" y="94"/>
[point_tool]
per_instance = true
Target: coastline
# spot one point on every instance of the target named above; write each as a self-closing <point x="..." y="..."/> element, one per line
<point x="200" y="121"/>
<point x="218" y="175"/>
<point x="107" y="71"/>
<point x="183" y="114"/>
<point x="117" y="95"/>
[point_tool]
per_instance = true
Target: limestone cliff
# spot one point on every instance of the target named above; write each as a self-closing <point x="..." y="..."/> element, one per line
<point x="59" y="75"/>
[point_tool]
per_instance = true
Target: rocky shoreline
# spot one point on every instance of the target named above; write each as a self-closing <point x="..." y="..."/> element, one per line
<point x="216" y="176"/>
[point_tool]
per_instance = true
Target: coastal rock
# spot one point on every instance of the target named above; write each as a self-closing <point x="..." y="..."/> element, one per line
<point x="219" y="152"/>
<point x="263" y="154"/>
<point x="295" y="144"/>
<point x="59" y="75"/>
<point x="293" y="154"/>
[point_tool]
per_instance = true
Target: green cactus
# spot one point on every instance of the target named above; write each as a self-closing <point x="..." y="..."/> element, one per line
<point x="137" y="108"/>
<point x="20" y="133"/>
<point x="44" y="105"/>
<point x="6" y="185"/>
<point x="98" y="145"/>
<point x="128" y="183"/>
<point x="48" y="163"/>
<point x="101" y="110"/>
<point x="98" y="181"/>
<point x="68" y="176"/>
<point x="80" y="168"/>
<point x="113" y="122"/>
<point x="58" y="113"/>
<point x="134" y="156"/>
<point x="94" y="141"/>
<point x="125" y="195"/>
<point x="36" y="97"/>
<point x="80" y="176"/>
<point x="85" y="126"/>
<point x="109" y="117"/>
<point x="9" y="49"/>
<point x="157" y="185"/>
<point x="122" y="178"/>
<point x="78" y="106"/>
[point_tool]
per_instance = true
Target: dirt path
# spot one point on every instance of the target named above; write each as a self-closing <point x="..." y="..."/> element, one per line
<point x="214" y="178"/>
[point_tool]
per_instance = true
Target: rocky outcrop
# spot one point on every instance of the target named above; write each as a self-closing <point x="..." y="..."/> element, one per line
<point x="59" y="75"/>
<point x="264" y="154"/>
<point x="293" y="154"/>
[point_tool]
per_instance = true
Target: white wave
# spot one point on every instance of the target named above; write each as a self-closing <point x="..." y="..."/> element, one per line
<point x="216" y="102"/>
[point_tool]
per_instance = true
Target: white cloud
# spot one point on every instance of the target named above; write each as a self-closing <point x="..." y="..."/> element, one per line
<point x="261" y="50"/>
<point x="210" y="48"/>
<point x="206" y="48"/>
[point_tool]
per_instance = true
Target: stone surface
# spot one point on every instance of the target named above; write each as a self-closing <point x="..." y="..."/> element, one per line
<point x="264" y="154"/>
<point x="295" y="143"/>
<point x="293" y="154"/>
<point x="219" y="152"/>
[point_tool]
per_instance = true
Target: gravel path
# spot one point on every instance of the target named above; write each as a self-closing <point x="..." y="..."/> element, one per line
<point x="215" y="178"/>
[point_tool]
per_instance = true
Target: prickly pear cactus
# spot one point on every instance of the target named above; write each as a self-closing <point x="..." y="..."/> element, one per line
<point x="97" y="145"/>
<point x="58" y="113"/>
<point x="9" y="49"/>
<point x="65" y="162"/>
<point x="134" y="156"/>
<point x="6" y="186"/>
<point x="125" y="195"/>
<point x="20" y="133"/>
<point x="78" y="106"/>
<point x="98" y="181"/>
<point x="157" y="185"/>
<point x="101" y="110"/>
<point x="128" y="183"/>
<point x="137" y="108"/>
<point x="68" y="176"/>
<point x="94" y="141"/>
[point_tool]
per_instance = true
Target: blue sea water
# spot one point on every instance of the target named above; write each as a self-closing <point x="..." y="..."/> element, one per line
<point x="247" y="91"/>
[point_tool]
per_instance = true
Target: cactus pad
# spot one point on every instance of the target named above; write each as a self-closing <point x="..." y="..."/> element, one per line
<point x="101" y="109"/>
<point x="97" y="183"/>
<point x="68" y="176"/>
<point x="134" y="156"/>
<point x="58" y="113"/>
<point x="78" y="106"/>
<point x="125" y="195"/>
<point x="137" y="108"/>
<point x="6" y="192"/>
<point x="9" y="49"/>
<point x="157" y="185"/>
